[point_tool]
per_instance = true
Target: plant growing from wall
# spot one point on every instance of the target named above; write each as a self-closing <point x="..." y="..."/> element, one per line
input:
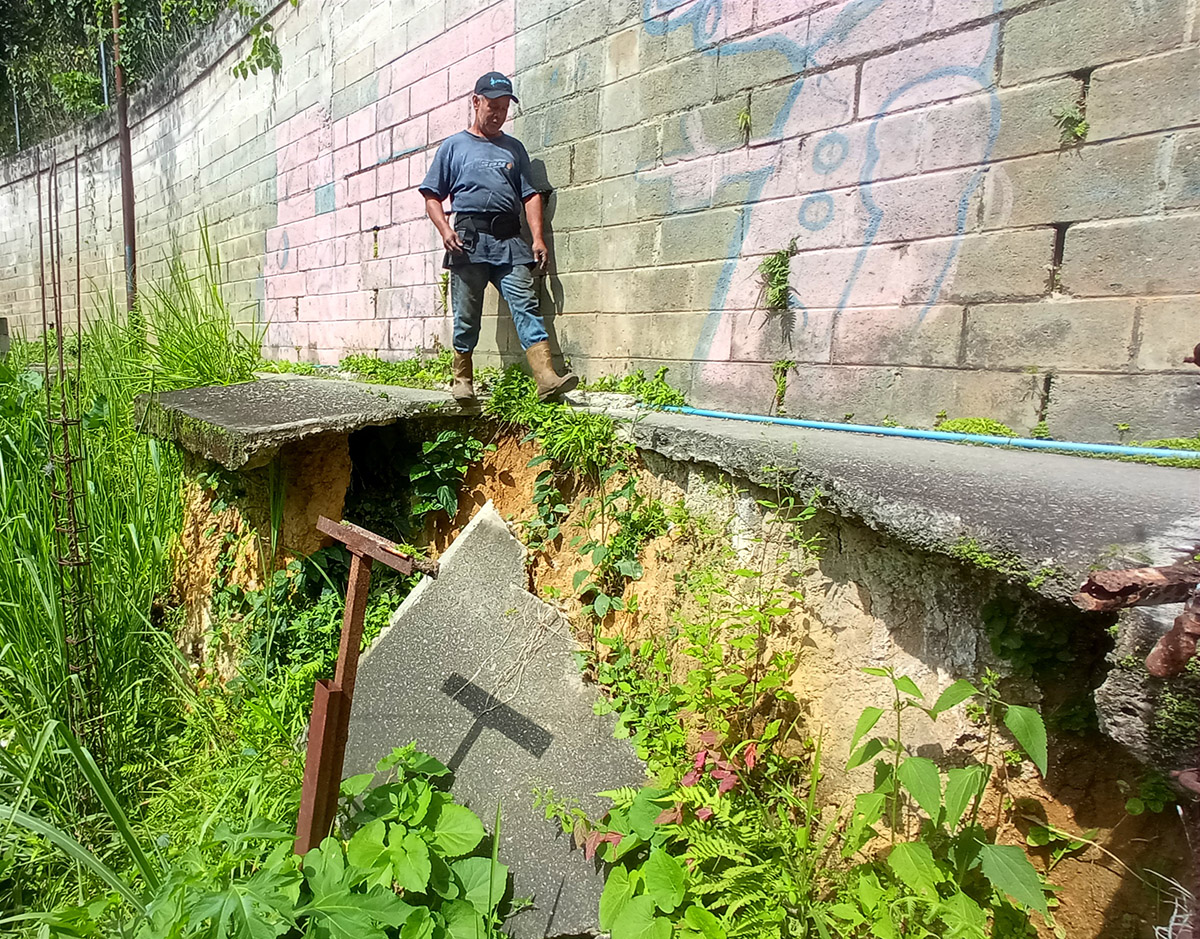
<point x="779" y="372"/>
<point x="744" y="123"/>
<point x="1072" y="125"/>
<point x="438" y="475"/>
<point x="773" y="272"/>
<point x="652" y="392"/>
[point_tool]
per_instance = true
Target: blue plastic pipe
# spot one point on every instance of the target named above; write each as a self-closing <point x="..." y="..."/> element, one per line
<point x="1027" y="443"/>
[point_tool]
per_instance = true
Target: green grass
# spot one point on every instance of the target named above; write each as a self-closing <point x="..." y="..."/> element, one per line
<point x="184" y="336"/>
<point x="427" y="373"/>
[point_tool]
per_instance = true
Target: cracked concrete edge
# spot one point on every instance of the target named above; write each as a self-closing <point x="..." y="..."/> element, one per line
<point x="924" y="528"/>
<point x="161" y="416"/>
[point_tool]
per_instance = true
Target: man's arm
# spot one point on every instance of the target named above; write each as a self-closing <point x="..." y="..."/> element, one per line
<point x="437" y="215"/>
<point x="533" y="214"/>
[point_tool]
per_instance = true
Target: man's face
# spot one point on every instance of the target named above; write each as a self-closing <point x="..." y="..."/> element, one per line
<point x="491" y="113"/>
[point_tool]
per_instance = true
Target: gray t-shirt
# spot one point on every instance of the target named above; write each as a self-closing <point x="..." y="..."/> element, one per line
<point x="484" y="175"/>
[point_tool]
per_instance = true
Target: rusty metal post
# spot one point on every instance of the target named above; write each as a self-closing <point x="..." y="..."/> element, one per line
<point x="330" y="724"/>
<point x="126" y="162"/>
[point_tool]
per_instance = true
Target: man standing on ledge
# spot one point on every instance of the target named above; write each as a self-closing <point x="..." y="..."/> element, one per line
<point x="485" y="173"/>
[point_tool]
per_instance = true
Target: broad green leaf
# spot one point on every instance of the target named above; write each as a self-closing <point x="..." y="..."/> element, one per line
<point x="645" y="809"/>
<point x="921" y="778"/>
<point x="666" y="880"/>
<point x="579" y="578"/>
<point x="866" y="721"/>
<point x="367" y="854"/>
<point x="912" y="863"/>
<point x="1027" y="726"/>
<point x="410" y="860"/>
<point x="601" y="605"/>
<point x="867" y="752"/>
<point x="356" y="785"/>
<point x="440" y="879"/>
<point x="703" y="922"/>
<point x="419" y="925"/>
<point x="1039" y="836"/>
<point x="463" y="921"/>
<point x="456" y="829"/>
<point x="964" y="918"/>
<point x="962" y="785"/>
<point x="427" y="765"/>
<point x="639" y="921"/>
<point x="908" y="686"/>
<point x="872" y="670"/>
<point x="473" y="873"/>
<point x="618" y="891"/>
<point x="1009" y="870"/>
<point x="956" y="694"/>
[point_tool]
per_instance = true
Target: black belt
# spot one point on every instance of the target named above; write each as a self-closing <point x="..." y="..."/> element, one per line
<point x="496" y="224"/>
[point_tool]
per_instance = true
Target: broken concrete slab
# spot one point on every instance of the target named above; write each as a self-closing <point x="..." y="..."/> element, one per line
<point x="243" y="426"/>
<point x="483" y="675"/>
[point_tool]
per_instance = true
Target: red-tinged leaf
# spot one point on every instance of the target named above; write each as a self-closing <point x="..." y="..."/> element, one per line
<point x="591" y="843"/>
<point x="673" y="816"/>
<point x="700" y="760"/>
<point x="709" y="738"/>
<point x="751" y="755"/>
<point x="690" y="779"/>
<point x="704" y="813"/>
<point x="728" y="783"/>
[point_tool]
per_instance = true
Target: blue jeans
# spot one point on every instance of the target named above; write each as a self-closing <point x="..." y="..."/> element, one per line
<point x="515" y="283"/>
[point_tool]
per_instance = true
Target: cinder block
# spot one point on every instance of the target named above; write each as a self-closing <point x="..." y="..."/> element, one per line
<point x="574" y="26"/>
<point x="898" y="336"/>
<point x="579" y="251"/>
<point x="624" y="152"/>
<point x="1133" y="257"/>
<point x="803" y="336"/>
<point x="626" y="246"/>
<point x="1056" y="333"/>
<point x="1090" y="407"/>
<point x="684" y="84"/>
<point x="574" y="207"/>
<point x="849" y="30"/>
<point x="1078" y="34"/>
<point x="562" y="125"/>
<point x="1183" y="182"/>
<point x="703" y="236"/>
<point x="927" y="206"/>
<point x="735" y="73"/>
<point x="896" y="81"/>
<point x="1098" y="181"/>
<point x="530" y="46"/>
<point x="1168" y="331"/>
<point x="1145" y="94"/>
<point x="705" y="130"/>
<point x="1005" y="265"/>
<point x="622" y="57"/>
<point x="824" y="101"/>
<point x="956" y="133"/>
<point x="354" y="97"/>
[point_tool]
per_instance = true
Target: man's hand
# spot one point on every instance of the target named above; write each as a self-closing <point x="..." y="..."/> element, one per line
<point x="452" y="242"/>
<point x="541" y="254"/>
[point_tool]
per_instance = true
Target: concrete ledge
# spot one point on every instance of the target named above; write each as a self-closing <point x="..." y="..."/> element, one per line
<point x="1041" y="518"/>
<point x="243" y="426"/>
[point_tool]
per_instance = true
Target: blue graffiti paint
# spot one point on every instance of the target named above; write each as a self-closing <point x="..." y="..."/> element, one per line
<point x="704" y="19"/>
<point x="830" y="152"/>
<point x="816" y="211"/>
<point x="285" y="251"/>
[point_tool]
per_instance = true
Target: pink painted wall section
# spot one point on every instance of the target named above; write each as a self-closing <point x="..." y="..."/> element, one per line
<point x="353" y="264"/>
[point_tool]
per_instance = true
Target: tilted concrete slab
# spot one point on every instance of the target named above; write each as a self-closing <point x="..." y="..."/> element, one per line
<point x="243" y="426"/>
<point x="482" y="675"/>
<point x="1050" y="511"/>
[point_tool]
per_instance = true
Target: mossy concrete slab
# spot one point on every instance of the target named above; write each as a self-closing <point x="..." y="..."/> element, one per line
<point x="1044" y="519"/>
<point x="243" y="426"/>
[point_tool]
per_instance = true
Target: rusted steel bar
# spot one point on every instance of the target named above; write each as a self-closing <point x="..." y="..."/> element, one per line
<point x="332" y="701"/>
<point x="126" y="162"/>
<point x="1171" y="654"/>
<point x="1104" y="591"/>
<point x="315" y="818"/>
<point x="369" y="544"/>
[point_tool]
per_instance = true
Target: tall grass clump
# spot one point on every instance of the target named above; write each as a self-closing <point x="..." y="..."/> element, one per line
<point x="183" y="335"/>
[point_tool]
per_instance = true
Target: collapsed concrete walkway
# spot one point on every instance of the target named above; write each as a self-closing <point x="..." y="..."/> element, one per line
<point x="483" y="676"/>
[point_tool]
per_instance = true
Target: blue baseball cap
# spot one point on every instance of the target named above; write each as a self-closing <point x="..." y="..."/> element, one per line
<point x="495" y="85"/>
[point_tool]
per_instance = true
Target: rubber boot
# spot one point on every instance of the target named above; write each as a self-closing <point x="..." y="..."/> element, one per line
<point x="549" y="383"/>
<point x="463" y="386"/>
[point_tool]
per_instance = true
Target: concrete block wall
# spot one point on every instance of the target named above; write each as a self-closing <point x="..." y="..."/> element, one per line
<point x="951" y="253"/>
